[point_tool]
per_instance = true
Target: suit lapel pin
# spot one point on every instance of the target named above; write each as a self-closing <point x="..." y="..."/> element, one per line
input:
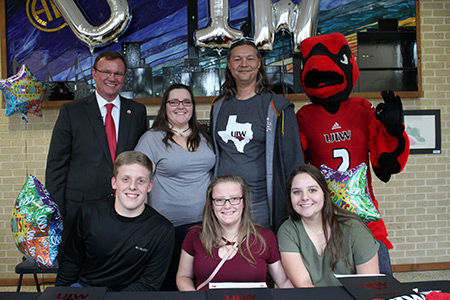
<point x="129" y="112"/>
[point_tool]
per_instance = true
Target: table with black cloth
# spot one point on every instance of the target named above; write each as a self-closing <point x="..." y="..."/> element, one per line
<point x="335" y="293"/>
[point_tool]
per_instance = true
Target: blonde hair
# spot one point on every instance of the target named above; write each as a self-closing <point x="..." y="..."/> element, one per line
<point x="133" y="157"/>
<point x="211" y="230"/>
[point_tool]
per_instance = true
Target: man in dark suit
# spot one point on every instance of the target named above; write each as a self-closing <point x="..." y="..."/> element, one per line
<point x="80" y="161"/>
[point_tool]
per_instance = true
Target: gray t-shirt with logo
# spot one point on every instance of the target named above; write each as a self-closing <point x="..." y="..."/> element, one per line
<point x="241" y="138"/>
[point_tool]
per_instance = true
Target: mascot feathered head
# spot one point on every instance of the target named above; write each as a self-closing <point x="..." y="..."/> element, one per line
<point x="329" y="71"/>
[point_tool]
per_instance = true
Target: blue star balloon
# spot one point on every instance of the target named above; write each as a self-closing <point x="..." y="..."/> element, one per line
<point x="23" y="93"/>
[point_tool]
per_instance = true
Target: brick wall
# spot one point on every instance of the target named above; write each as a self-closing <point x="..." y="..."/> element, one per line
<point x="414" y="204"/>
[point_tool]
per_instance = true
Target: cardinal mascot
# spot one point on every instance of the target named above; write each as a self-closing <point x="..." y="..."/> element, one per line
<point x="343" y="132"/>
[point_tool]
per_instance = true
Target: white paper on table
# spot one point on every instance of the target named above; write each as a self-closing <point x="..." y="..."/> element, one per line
<point x="237" y="285"/>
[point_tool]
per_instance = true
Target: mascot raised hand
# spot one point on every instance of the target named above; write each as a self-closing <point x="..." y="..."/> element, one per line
<point x="343" y="132"/>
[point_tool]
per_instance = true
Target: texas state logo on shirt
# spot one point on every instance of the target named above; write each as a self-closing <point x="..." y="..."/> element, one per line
<point x="239" y="133"/>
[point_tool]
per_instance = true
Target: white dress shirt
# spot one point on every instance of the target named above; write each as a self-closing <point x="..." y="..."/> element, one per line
<point x="115" y="111"/>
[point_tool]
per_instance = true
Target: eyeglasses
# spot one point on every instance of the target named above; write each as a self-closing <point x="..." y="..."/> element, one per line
<point x="223" y="201"/>
<point x="176" y="102"/>
<point x="109" y="73"/>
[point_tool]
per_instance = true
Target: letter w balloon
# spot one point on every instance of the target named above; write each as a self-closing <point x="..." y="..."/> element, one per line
<point x="96" y="35"/>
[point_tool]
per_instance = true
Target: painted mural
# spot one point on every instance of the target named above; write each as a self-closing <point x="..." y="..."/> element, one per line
<point x="157" y="40"/>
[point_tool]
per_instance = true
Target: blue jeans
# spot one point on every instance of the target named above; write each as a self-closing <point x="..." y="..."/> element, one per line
<point x="384" y="261"/>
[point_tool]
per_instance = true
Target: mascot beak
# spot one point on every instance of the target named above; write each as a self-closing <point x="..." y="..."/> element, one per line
<point x="324" y="81"/>
<point x="329" y="71"/>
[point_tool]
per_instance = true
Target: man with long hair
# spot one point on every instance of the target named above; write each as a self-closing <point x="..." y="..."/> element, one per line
<point x="255" y="133"/>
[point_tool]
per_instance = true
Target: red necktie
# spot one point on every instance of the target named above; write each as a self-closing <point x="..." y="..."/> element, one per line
<point x="110" y="129"/>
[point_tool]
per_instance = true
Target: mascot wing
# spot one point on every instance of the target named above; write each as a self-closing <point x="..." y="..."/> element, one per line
<point x="389" y="147"/>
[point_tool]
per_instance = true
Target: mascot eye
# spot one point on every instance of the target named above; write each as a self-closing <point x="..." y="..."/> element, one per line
<point x="344" y="59"/>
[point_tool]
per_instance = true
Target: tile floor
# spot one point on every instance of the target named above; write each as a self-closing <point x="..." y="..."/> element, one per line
<point x="422" y="276"/>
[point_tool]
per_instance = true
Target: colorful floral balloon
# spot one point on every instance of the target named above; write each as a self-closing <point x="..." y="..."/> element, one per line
<point x="23" y="93"/>
<point x="349" y="191"/>
<point x="36" y="223"/>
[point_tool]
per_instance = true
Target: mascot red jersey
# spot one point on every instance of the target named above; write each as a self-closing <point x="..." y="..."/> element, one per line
<point x="339" y="131"/>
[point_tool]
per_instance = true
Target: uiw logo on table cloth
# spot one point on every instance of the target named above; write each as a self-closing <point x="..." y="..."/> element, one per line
<point x="72" y="296"/>
<point x="239" y="297"/>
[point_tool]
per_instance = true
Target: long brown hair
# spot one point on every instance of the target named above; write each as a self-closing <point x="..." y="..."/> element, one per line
<point x="211" y="230"/>
<point x="332" y="215"/>
<point x="263" y="82"/>
<point x="162" y="124"/>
